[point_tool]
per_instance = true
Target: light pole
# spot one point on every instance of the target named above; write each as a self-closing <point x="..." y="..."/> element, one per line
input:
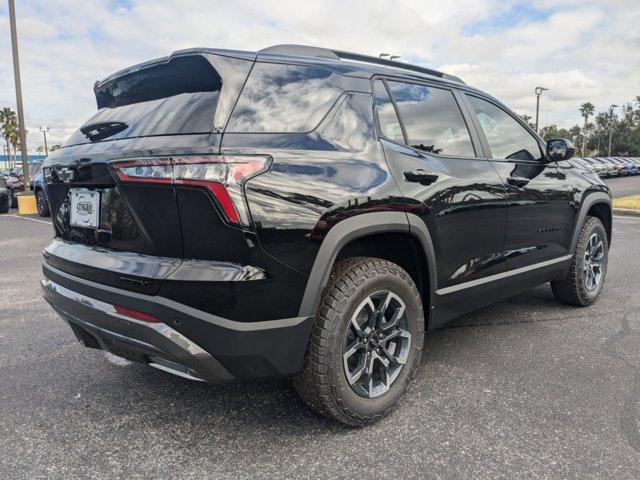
<point x="611" y="107"/>
<point x="382" y="55"/>
<point x="538" y="91"/>
<point x="393" y="57"/>
<point x="44" y="131"/>
<point x="16" y="75"/>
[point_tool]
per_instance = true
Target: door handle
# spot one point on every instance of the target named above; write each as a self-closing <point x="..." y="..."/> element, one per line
<point x="517" y="181"/>
<point x="420" y="176"/>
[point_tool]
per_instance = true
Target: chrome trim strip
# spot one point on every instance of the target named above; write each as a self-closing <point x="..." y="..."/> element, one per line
<point x="162" y="328"/>
<point x="499" y="276"/>
<point x="175" y="372"/>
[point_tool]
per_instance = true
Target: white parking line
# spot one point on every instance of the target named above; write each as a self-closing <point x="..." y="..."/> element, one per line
<point x="26" y="218"/>
<point x="624" y="217"/>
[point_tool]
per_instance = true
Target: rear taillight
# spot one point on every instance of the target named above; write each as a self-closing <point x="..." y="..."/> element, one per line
<point x="224" y="176"/>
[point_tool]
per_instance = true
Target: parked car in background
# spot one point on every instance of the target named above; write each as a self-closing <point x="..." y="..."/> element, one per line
<point x="5" y="197"/>
<point x="617" y="168"/>
<point x="636" y="161"/>
<point x="598" y="168"/>
<point x="583" y="162"/>
<point x="632" y="168"/>
<point x="307" y="212"/>
<point x="624" y="171"/>
<point x="41" y="193"/>
<point x="33" y="172"/>
<point x="609" y="169"/>
<point x="15" y="180"/>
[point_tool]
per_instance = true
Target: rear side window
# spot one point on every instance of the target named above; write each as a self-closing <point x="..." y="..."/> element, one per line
<point x="432" y="119"/>
<point x="387" y="118"/>
<point x="172" y="98"/>
<point x="284" y="99"/>
<point x="507" y="138"/>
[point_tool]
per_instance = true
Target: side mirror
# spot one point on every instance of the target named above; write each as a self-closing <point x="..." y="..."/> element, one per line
<point x="560" y="149"/>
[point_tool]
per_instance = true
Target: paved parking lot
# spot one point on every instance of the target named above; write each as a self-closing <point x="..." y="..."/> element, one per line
<point x="525" y="388"/>
<point x="624" y="186"/>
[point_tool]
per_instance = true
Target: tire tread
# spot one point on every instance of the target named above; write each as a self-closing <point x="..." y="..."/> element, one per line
<point x="314" y="383"/>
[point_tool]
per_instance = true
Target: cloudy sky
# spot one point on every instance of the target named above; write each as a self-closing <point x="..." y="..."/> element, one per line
<point x="581" y="50"/>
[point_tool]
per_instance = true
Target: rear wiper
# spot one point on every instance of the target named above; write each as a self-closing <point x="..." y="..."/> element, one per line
<point x="101" y="130"/>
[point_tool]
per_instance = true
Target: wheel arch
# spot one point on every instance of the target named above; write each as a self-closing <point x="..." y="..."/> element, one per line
<point x="596" y="204"/>
<point x="345" y="237"/>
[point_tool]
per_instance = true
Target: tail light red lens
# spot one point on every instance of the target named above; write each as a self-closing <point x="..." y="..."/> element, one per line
<point x="224" y="176"/>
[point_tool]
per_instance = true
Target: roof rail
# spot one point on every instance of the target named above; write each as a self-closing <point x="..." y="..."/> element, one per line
<point x="307" y="51"/>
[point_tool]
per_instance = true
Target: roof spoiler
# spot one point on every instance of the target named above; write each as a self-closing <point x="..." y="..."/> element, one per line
<point x="319" y="52"/>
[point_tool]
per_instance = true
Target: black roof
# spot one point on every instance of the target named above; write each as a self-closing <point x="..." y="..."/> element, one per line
<point x="367" y="62"/>
<point x="365" y="65"/>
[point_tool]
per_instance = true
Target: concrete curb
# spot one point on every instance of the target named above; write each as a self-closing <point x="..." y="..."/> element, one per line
<point x="626" y="212"/>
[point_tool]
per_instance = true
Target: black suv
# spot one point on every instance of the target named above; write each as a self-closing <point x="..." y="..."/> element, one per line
<point x="307" y="212"/>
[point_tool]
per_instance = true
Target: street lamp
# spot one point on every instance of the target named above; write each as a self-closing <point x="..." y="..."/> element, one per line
<point x="393" y="57"/>
<point x="538" y="92"/>
<point x="611" y="107"/>
<point x="44" y="131"/>
<point x="382" y="55"/>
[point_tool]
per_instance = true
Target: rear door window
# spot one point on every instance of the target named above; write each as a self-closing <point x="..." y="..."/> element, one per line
<point x="280" y="98"/>
<point x="432" y="119"/>
<point x="506" y="137"/>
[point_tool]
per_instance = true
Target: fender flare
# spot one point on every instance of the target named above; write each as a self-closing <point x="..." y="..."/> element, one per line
<point x="589" y="201"/>
<point x="357" y="227"/>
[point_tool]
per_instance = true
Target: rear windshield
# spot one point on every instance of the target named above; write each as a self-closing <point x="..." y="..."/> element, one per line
<point x="177" y="97"/>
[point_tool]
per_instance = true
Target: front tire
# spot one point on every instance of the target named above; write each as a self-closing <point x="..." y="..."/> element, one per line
<point x="366" y="342"/>
<point x="588" y="267"/>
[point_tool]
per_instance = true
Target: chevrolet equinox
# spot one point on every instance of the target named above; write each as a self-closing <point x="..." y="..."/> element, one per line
<point x="309" y="213"/>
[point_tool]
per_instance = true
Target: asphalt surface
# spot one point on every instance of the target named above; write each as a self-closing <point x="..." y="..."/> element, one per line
<point x="527" y="388"/>
<point x="624" y="186"/>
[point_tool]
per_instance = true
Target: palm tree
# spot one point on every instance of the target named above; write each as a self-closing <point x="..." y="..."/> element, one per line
<point x="14" y="141"/>
<point x="586" y="110"/>
<point x="8" y="126"/>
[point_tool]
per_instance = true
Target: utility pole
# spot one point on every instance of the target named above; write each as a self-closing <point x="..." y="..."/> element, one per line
<point x="538" y="92"/>
<point x="44" y="131"/>
<point x="611" y="107"/>
<point x="16" y="74"/>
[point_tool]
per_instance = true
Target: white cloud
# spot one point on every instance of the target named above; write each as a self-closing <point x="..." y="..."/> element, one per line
<point x="585" y="50"/>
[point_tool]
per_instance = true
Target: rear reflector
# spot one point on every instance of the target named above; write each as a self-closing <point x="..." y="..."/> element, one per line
<point x="135" y="314"/>
<point x="223" y="176"/>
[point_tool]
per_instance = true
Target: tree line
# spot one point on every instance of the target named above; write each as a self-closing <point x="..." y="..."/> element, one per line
<point x="592" y="137"/>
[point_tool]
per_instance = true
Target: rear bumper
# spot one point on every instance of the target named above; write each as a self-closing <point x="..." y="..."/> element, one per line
<point x="187" y="342"/>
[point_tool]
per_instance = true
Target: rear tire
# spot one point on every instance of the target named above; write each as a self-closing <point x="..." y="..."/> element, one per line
<point x="42" y="204"/>
<point x="370" y="319"/>
<point x="4" y="207"/>
<point x="588" y="267"/>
